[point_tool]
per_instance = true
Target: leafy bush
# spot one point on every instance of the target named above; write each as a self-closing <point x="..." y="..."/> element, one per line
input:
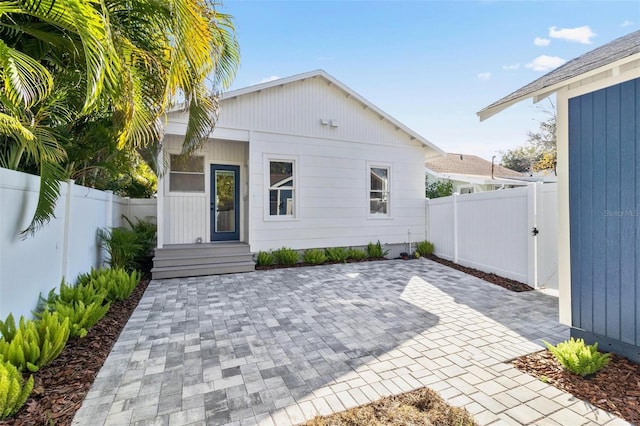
<point x="285" y="256"/>
<point x="117" y="283"/>
<point x="146" y="232"/>
<point x="579" y="358"/>
<point x="33" y="344"/>
<point x="375" y="251"/>
<point x="122" y="246"/>
<point x="337" y="254"/>
<point x="314" y="256"/>
<point x="85" y="292"/>
<point x="424" y="248"/>
<point x="81" y="317"/>
<point x="14" y="391"/>
<point x="438" y="188"/>
<point x="357" y="254"/>
<point x="264" y="258"/>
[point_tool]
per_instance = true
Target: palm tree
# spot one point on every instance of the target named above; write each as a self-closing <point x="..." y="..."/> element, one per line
<point x="61" y="60"/>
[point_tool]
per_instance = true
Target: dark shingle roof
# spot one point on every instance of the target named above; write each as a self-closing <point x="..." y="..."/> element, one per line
<point x="469" y="165"/>
<point x="617" y="49"/>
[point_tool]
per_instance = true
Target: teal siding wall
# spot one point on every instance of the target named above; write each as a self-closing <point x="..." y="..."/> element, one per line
<point x="604" y="204"/>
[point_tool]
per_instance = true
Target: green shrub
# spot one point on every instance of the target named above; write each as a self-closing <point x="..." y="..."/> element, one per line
<point x="264" y="259"/>
<point x="424" y="248"/>
<point x="146" y="232"/>
<point x="285" y="256"/>
<point x="85" y="292"/>
<point x="122" y="246"/>
<point x="375" y="251"/>
<point x="337" y="254"/>
<point x="33" y="344"/>
<point x="314" y="256"/>
<point x="14" y="391"/>
<point x="357" y="254"/>
<point x="579" y="358"/>
<point x="81" y="317"/>
<point x="117" y="283"/>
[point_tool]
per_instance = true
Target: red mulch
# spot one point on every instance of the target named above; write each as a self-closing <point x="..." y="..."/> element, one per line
<point x="61" y="386"/>
<point x="615" y="388"/>
<point x="507" y="283"/>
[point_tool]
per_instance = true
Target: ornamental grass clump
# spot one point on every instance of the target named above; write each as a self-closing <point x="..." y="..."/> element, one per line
<point x="286" y="256"/>
<point x="375" y="250"/>
<point x="314" y="256"/>
<point x="14" y="390"/>
<point x="579" y="358"/>
<point x="356" y="254"/>
<point x="337" y="254"/>
<point x="116" y="282"/>
<point x="33" y="344"/>
<point x="264" y="258"/>
<point x="424" y="248"/>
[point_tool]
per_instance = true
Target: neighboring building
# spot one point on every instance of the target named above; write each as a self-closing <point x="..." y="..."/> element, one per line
<point x="301" y="162"/>
<point x="470" y="173"/>
<point x="598" y="134"/>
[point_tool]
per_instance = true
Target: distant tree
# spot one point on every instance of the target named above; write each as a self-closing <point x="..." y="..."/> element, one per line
<point x="438" y="188"/>
<point x="539" y="151"/>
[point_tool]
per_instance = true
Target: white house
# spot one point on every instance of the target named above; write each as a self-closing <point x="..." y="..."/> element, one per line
<point x="470" y="173"/>
<point x="301" y="162"/>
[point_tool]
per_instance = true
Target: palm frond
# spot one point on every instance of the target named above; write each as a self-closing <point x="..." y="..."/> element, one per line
<point x="25" y="80"/>
<point x="50" y="176"/>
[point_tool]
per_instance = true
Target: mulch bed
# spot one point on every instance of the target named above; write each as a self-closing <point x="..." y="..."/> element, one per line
<point x="507" y="283"/>
<point x="615" y="388"/>
<point x="61" y="386"/>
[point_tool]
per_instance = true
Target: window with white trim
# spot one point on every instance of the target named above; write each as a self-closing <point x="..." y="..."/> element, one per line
<point x="186" y="174"/>
<point x="282" y="188"/>
<point x="379" y="190"/>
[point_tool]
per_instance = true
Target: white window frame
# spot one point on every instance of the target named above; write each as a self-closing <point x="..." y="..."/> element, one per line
<point x="268" y="158"/>
<point x="202" y="173"/>
<point x="389" y="190"/>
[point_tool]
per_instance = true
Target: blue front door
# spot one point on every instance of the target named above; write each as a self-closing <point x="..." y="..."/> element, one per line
<point x="225" y="202"/>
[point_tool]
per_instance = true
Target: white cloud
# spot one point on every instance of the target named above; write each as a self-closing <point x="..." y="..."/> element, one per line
<point x="539" y="41"/>
<point x="545" y="63"/>
<point x="511" y="67"/>
<point x="268" y="79"/>
<point x="626" y="23"/>
<point x="579" y="34"/>
<point x="484" y="76"/>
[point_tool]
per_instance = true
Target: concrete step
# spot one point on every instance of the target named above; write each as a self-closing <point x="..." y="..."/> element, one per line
<point x="201" y="259"/>
<point x="200" y="270"/>
<point x="191" y="250"/>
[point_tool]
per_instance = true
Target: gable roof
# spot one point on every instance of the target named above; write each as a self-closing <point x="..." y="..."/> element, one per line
<point x="463" y="164"/>
<point x="590" y="62"/>
<point x="348" y="92"/>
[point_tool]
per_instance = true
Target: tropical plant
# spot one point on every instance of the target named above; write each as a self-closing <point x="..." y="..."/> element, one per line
<point x="81" y="317"/>
<point x="122" y="246"/>
<point x="337" y="254"/>
<point x="285" y="256"/>
<point x="424" y="248"/>
<point x="33" y="344"/>
<point x="579" y="358"/>
<point x="146" y="236"/>
<point x="61" y="60"/>
<point x="375" y="250"/>
<point x="314" y="256"/>
<point x="357" y="254"/>
<point x="264" y="258"/>
<point x="14" y="390"/>
<point x="117" y="283"/>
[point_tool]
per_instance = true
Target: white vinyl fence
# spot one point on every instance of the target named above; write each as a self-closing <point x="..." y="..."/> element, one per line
<point x="65" y="247"/>
<point x="494" y="232"/>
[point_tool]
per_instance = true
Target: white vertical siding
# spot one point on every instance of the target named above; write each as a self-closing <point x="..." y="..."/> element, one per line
<point x="188" y="214"/>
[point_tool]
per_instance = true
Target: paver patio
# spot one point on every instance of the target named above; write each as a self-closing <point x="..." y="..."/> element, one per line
<point x="281" y="346"/>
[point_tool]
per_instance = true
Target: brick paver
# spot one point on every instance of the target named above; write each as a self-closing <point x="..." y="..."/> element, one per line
<point x="280" y="346"/>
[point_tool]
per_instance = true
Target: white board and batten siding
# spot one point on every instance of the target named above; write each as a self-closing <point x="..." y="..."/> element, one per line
<point x="333" y="137"/>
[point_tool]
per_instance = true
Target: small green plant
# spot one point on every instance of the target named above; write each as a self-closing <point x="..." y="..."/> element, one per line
<point x="337" y="254"/>
<point x="424" y="248"/>
<point x="375" y="250"/>
<point x="264" y="258"/>
<point x="145" y="232"/>
<point x="285" y="256"/>
<point x="122" y="246"/>
<point x="81" y="317"/>
<point x="116" y="282"/>
<point x="33" y="344"/>
<point x="314" y="256"/>
<point x="14" y="391"/>
<point x="357" y="254"/>
<point x="579" y="358"/>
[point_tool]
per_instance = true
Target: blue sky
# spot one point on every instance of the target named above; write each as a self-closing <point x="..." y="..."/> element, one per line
<point x="430" y="64"/>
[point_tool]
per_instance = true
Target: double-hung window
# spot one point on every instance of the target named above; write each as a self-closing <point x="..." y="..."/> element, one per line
<point x="379" y="190"/>
<point x="186" y="174"/>
<point x="282" y="188"/>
